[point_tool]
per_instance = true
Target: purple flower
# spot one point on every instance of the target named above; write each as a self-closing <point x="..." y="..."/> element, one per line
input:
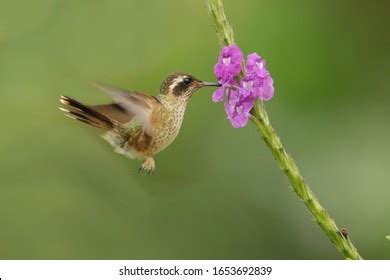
<point x="227" y="68"/>
<point x="266" y="90"/>
<point x="229" y="64"/>
<point x="238" y="105"/>
<point x="256" y="65"/>
<point x="257" y="75"/>
<point x="261" y="88"/>
<point x="219" y="94"/>
<point x="241" y="95"/>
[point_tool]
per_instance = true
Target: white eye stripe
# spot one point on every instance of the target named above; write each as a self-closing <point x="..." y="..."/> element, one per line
<point x="176" y="81"/>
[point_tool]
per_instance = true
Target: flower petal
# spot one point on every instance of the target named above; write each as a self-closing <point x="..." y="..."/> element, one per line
<point x="237" y="107"/>
<point x="267" y="91"/>
<point x="240" y="121"/>
<point x="218" y="94"/>
<point x="229" y="64"/>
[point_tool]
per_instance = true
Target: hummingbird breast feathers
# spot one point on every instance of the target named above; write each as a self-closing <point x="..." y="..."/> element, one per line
<point x="166" y="122"/>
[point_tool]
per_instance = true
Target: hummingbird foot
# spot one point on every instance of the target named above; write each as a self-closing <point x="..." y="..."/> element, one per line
<point x="148" y="166"/>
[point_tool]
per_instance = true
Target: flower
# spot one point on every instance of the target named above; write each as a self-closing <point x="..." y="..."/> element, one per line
<point x="266" y="91"/>
<point x="218" y="94"/>
<point x="261" y="88"/>
<point x="241" y="94"/>
<point x="256" y="65"/>
<point x="256" y="71"/>
<point x="226" y="69"/>
<point x="238" y="105"/>
<point x="229" y="64"/>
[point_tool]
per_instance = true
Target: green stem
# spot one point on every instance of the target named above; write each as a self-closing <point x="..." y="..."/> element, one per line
<point x="222" y="27"/>
<point x="286" y="163"/>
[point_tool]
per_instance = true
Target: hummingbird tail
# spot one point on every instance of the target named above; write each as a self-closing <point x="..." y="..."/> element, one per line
<point x="86" y="114"/>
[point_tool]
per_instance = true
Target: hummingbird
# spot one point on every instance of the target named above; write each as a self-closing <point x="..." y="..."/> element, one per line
<point x="136" y="124"/>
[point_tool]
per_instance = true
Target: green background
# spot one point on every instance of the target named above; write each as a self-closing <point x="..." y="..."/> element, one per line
<point x="217" y="192"/>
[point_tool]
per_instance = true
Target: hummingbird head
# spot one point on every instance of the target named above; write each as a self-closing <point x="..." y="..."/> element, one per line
<point x="181" y="86"/>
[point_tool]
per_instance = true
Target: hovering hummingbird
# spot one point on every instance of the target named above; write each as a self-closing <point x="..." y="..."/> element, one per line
<point x="136" y="124"/>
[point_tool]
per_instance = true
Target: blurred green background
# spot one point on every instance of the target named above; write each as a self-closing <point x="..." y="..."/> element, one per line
<point x="217" y="192"/>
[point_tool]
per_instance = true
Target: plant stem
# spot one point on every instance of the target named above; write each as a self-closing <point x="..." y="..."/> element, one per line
<point x="286" y="163"/>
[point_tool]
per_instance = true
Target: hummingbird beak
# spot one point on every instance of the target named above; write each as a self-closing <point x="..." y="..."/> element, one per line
<point x="210" y="84"/>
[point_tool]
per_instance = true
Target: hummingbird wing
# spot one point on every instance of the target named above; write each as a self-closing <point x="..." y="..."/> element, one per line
<point x="115" y="112"/>
<point x="137" y="105"/>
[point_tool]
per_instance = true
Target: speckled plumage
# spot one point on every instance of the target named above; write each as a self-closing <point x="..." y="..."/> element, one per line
<point x="132" y="141"/>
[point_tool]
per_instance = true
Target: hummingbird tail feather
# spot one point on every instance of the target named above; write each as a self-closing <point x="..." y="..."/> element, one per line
<point x="83" y="113"/>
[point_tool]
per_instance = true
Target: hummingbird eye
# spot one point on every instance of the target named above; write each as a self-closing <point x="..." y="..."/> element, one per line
<point x="187" y="80"/>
